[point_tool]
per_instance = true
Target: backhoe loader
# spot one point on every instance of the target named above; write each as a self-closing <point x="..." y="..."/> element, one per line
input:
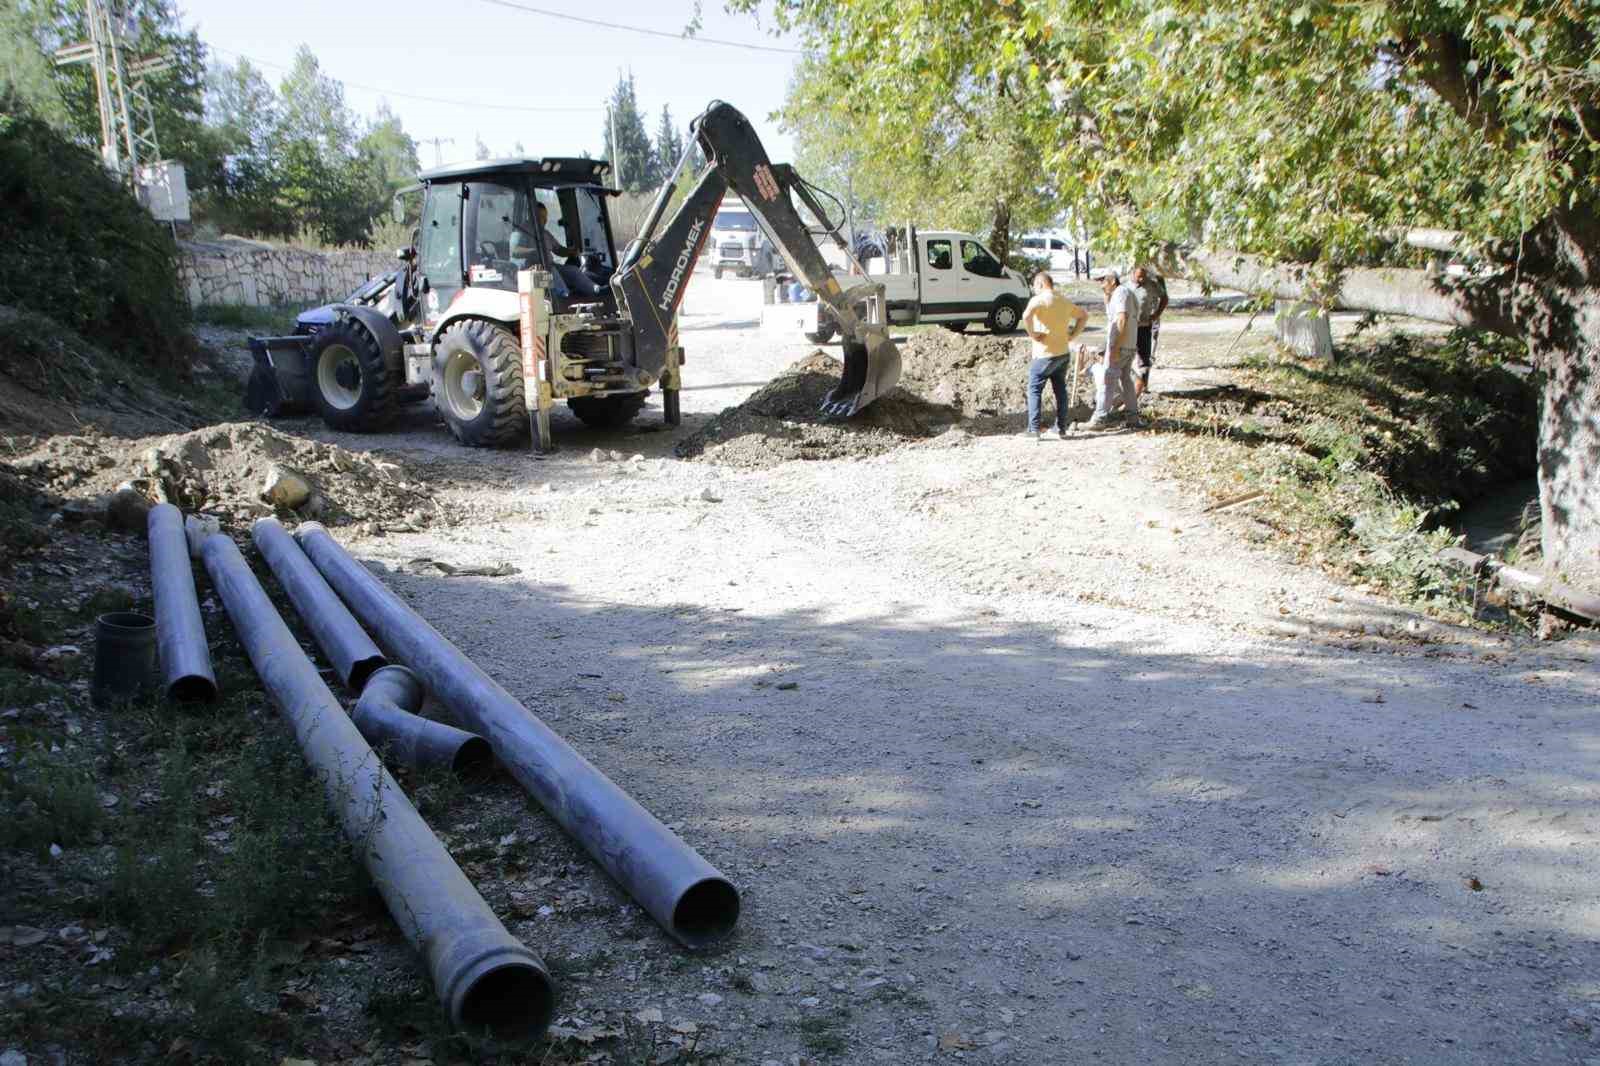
<point x="514" y="297"/>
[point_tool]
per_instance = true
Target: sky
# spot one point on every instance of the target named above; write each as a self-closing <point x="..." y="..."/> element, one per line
<point x="473" y="53"/>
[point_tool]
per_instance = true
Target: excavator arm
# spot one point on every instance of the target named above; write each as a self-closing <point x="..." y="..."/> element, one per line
<point x="656" y="267"/>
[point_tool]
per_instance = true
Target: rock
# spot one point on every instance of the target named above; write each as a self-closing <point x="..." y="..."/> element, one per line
<point x="636" y="458"/>
<point x="285" y="488"/>
<point x="196" y="528"/>
<point x="614" y="456"/>
<point x="709" y="496"/>
<point x="810" y="1001"/>
<point x="86" y="509"/>
<point x="709" y="999"/>
<point x="598" y="456"/>
<point x="13" y="1057"/>
<point x="128" y="509"/>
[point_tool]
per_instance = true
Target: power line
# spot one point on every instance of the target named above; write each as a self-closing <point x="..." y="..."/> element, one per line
<point x="415" y="96"/>
<point x="641" y="29"/>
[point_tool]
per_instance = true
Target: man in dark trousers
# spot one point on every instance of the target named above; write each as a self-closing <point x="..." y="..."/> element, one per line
<point x="1152" y="289"/>
<point x="1052" y="321"/>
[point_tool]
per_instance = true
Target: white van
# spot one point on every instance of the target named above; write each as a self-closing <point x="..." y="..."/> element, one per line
<point x="737" y="244"/>
<point x="1057" y="252"/>
<point x="939" y="276"/>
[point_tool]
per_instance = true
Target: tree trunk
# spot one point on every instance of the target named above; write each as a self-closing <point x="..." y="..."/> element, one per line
<point x="1560" y="324"/>
<point x="1000" y="232"/>
<point x="1569" y="454"/>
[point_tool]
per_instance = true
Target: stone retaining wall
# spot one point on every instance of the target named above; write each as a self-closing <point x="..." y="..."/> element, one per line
<point x="247" y="274"/>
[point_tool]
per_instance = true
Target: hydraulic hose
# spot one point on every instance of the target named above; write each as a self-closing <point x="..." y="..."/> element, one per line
<point x="483" y="975"/>
<point x="688" y="896"/>
<point x="180" y="634"/>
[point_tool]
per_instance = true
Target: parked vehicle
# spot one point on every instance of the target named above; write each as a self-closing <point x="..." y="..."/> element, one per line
<point x="1058" y="253"/>
<point x="514" y="296"/>
<point x="940" y="276"/>
<point x="737" y="243"/>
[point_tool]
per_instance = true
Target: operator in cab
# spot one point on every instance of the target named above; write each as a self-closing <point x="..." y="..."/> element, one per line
<point x="576" y="281"/>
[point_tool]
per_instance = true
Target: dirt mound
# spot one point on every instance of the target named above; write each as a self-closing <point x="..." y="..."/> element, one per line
<point x="978" y="375"/>
<point x="226" y="470"/>
<point x="782" y="422"/>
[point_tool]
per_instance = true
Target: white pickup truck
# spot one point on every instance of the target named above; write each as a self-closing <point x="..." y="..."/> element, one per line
<point x="941" y="276"/>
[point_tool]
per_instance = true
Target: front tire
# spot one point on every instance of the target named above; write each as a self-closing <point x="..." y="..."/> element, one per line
<point x="608" y="412"/>
<point x="349" y="379"/>
<point x="477" y="384"/>
<point x="716" y="272"/>
<point x="1004" y="316"/>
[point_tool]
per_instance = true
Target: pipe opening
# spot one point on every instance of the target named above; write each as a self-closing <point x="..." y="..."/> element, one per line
<point x="120" y="622"/>
<point x="362" y="669"/>
<point x="474" y="760"/>
<point x="192" y="689"/>
<point x="706" y="913"/>
<point x="511" y="1000"/>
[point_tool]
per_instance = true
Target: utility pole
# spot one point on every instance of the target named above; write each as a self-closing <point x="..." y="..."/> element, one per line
<point x="127" y="121"/>
<point x="437" y="142"/>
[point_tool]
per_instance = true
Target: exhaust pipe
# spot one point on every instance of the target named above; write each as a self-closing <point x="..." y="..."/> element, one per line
<point x="348" y="648"/>
<point x="689" y="897"/>
<point x="386" y="715"/>
<point x="483" y="975"/>
<point x="180" y="634"/>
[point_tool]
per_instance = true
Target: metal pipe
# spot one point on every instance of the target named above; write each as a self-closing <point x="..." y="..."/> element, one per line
<point x="386" y="715"/>
<point x="483" y="975"/>
<point x="348" y="648"/>
<point x="180" y="634"/>
<point x="687" y="895"/>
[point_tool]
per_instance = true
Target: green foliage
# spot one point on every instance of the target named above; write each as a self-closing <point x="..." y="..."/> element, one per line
<point x="1366" y="462"/>
<point x="81" y="251"/>
<point x="631" y="153"/>
<point x="49" y="798"/>
<point x="955" y="158"/>
<point x="1295" y="134"/>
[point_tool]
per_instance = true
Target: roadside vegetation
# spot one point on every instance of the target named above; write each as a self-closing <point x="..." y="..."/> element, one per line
<point x="1363" y="464"/>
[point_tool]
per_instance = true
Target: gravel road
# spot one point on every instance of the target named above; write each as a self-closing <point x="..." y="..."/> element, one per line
<point x="1068" y="772"/>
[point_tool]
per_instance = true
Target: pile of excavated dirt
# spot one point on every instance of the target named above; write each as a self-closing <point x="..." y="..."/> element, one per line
<point x="782" y="422"/>
<point x="238" y="471"/>
<point x="980" y="376"/>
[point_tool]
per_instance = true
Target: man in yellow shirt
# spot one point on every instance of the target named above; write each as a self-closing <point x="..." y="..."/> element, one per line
<point x="1052" y="321"/>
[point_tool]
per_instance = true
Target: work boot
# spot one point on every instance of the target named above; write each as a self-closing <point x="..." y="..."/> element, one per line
<point x="1030" y="434"/>
<point x="1098" y="422"/>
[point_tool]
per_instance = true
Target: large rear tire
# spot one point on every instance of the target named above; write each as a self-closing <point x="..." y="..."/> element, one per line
<point x="608" y="412"/>
<point x="350" y="382"/>
<point x="477" y="384"/>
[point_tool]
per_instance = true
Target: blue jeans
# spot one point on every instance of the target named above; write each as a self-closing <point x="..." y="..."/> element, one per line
<point x="1054" y="370"/>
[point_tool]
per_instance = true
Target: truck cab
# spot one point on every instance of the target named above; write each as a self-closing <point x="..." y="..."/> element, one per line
<point x="737" y="244"/>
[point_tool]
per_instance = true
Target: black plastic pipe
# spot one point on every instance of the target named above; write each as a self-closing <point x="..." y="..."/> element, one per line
<point x="349" y="650"/>
<point x="180" y="634"/>
<point x="687" y="895"/>
<point x="386" y="715"/>
<point x="482" y="974"/>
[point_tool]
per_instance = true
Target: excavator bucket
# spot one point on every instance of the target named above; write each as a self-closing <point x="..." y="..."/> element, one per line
<point x="871" y="368"/>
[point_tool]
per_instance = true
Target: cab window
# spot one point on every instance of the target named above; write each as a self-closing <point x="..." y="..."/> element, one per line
<point x="939" y="257"/>
<point x="500" y="239"/>
<point x="441" y="237"/>
<point x="977" y="260"/>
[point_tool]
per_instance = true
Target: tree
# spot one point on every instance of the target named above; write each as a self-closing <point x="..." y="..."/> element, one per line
<point x="239" y="192"/>
<point x="1289" y="149"/>
<point x="955" y="160"/>
<point x="325" y="181"/>
<point x="632" y="155"/>
<point x="669" y="145"/>
<point x="480" y="150"/>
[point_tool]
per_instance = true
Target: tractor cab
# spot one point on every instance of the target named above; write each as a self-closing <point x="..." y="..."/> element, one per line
<point x="484" y="221"/>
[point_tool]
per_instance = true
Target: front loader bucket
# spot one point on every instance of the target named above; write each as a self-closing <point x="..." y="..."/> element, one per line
<point x="278" y="383"/>
<point x="871" y="368"/>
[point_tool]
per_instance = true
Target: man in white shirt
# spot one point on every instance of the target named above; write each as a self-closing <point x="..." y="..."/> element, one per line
<point x="1113" y="376"/>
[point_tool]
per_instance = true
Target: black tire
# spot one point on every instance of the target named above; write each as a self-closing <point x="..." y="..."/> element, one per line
<point x="955" y="327"/>
<point x="350" y="383"/>
<point x="483" y="411"/>
<point x="1004" y="316"/>
<point x="608" y="412"/>
<point x="716" y="272"/>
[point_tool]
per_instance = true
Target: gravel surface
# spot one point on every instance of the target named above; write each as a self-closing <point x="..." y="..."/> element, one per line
<point x="1019" y="756"/>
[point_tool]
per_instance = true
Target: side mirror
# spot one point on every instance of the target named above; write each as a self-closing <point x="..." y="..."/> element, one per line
<point x="405" y="255"/>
